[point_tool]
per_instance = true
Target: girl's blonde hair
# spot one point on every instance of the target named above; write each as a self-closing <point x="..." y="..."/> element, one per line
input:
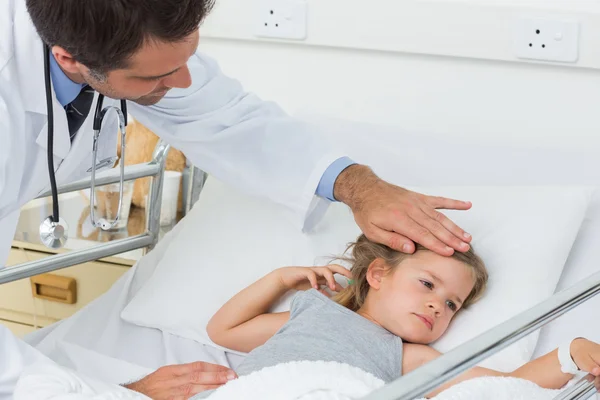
<point x="364" y="252"/>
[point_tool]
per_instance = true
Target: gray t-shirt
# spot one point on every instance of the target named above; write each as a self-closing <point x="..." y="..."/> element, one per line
<point x="321" y="330"/>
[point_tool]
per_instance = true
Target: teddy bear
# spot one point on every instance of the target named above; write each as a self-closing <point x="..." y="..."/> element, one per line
<point x="140" y="143"/>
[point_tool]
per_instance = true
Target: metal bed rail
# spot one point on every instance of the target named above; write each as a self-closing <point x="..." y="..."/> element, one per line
<point x="583" y="389"/>
<point x="132" y="172"/>
<point x="155" y="170"/>
<point x="421" y="381"/>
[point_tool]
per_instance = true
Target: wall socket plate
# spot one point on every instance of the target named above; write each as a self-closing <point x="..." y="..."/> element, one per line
<point x="284" y="19"/>
<point x="546" y="39"/>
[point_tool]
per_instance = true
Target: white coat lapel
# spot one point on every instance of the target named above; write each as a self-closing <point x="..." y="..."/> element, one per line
<point x="62" y="143"/>
<point x="29" y="50"/>
<point x="81" y="150"/>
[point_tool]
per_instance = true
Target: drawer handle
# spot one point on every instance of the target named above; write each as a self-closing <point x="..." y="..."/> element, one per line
<point x="56" y="288"/>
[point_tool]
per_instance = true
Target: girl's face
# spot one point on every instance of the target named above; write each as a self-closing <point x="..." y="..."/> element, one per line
<point x="417" y="300"/>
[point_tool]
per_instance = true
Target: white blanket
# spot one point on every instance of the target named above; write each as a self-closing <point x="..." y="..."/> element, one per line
<point x="314" y="380"/>
<point x="304" y="380"/>
<point x="308" y="380"/>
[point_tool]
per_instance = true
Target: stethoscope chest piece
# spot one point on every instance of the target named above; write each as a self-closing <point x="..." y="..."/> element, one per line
<point x="54" y="235"/>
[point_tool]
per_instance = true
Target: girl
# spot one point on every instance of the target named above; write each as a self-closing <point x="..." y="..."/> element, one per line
<point x="395" y="305"/>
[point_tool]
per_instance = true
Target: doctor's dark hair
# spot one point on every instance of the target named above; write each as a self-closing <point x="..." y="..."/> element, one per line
<point x="104" y="34"/>
<point x="364" y="252"/>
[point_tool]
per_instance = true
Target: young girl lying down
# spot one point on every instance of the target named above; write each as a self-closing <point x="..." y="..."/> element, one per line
<point x="382" y="323"/>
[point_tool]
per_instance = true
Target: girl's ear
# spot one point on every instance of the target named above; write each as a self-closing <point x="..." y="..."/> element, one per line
<point x="376" y="272"/>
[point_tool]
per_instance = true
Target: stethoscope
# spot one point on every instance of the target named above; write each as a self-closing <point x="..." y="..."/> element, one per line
<point x="54" y="230"/>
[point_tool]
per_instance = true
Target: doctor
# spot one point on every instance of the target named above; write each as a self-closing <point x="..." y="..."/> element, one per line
<point x="145" y="51"/>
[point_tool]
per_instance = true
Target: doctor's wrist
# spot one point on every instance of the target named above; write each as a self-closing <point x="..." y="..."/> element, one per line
<point x="353" y="185"/>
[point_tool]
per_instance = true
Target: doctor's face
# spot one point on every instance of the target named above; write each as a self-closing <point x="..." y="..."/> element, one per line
<point x="152" y="71"/>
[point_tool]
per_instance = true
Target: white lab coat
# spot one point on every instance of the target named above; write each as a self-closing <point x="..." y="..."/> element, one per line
<point x="231" y="134"/>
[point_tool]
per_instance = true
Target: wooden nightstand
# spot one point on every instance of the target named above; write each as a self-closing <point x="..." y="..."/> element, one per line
<point x="20" y="310"/>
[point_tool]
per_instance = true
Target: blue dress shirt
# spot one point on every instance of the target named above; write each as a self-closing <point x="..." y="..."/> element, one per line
<point x="325" y="188"/>
<point x="66" y="91"/>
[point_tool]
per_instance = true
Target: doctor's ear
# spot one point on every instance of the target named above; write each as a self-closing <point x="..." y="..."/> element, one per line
<point x="65" y="60"/>
<point x="377" y="270"/>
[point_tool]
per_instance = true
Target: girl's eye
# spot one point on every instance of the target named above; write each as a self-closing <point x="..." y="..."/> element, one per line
<point x="427" y="284"/>
<point x="451" y="305"/>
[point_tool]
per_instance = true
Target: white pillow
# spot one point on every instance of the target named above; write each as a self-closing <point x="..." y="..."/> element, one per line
<point x="229" y="240"/>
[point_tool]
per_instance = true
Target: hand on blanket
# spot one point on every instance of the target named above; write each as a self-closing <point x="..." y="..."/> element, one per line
<point x="179" y="382"/>
<point x="397" y="217"/>
<point x="304" y="278"/>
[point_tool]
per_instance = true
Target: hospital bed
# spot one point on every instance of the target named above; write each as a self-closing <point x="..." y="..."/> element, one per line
<point x="97" y="342"/>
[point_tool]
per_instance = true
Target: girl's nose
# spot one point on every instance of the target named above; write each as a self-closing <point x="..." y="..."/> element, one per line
<point x="436" y="307"/>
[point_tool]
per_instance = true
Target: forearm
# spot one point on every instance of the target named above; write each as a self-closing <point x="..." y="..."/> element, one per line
<point x="544" y="371"/>
<point x="476" y="372"/>
<point x="354" y="183"/>
<point x="417" y="355"/>
<point x="251" y="302"/>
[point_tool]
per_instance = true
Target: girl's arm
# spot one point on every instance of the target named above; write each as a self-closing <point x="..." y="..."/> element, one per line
<point x="417" y="355"/>
<point x="244" y="322"/>
<point x="544" y="371"/>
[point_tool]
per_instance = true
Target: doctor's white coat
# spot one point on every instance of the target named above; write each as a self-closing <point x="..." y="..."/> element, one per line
<point x="231" y="134"/>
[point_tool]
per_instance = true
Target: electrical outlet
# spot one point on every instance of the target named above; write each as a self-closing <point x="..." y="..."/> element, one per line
<point x="284" y="19"/>
<point x="546" y="39"/>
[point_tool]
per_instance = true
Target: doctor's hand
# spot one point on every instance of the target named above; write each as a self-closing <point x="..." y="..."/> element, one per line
<point x="399" y="218"/>
<point x="179" y="382"/>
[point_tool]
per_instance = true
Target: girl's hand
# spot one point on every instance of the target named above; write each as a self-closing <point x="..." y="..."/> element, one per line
<point x="586" y="354"/>
<point x="304" y="278"/>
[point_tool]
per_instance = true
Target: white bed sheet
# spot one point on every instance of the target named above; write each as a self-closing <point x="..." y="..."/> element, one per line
<point x="98" y="343"/>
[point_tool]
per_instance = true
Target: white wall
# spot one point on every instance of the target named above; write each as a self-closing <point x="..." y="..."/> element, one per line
<point x="437" y="66"/>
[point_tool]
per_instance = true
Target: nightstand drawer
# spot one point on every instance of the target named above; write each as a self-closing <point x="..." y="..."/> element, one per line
<point x="19" y="330"/>
<point x="18" y="304"/>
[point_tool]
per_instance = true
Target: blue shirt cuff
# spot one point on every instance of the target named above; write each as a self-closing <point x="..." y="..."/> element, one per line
<point x="327" y="182"/>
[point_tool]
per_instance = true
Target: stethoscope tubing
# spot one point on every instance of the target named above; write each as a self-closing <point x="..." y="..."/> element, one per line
<point x="50" y="130"/>
<point x="51" y="237"/>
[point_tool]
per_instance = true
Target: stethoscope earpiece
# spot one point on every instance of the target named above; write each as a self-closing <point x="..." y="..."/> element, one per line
<point x="54" y="235"/>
